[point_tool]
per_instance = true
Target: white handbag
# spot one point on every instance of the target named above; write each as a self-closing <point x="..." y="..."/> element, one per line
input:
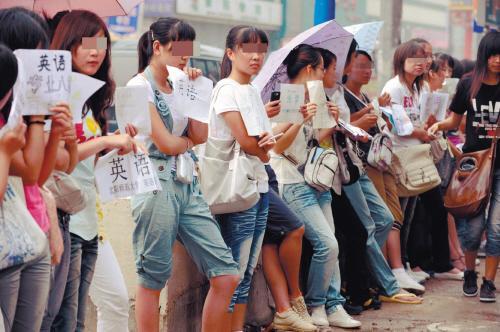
<point x="228" y="177"/>
<point x="380" y="153"/>
<point x="21" y="239"/>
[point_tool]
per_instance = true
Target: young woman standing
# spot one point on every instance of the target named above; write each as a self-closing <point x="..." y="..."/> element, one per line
<point x="478" y="94"/>
<point x="179" y="210"/>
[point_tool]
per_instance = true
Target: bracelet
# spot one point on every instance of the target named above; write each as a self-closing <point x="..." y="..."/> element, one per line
<point x="36" y="122"/>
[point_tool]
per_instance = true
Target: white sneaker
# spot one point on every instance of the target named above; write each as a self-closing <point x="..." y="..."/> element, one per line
<point x="291" y="321"/>
<point x="449" y="275"/>
<point x="299" y="305"/>
<point x="418" y="274"/>
<point x="340" y="318"/>
<point x="406" y="282"/>
<point x="318" y="315"/>
<point x="418" y="277"/>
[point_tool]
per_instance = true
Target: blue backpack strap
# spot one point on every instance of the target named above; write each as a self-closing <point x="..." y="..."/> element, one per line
<point x="160" y="103"/>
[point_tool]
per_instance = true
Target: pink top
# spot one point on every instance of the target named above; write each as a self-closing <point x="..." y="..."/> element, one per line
<point x="36" y="206"/>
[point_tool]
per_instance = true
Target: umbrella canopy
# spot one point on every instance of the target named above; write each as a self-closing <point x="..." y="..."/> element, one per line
<point x="329" y="35"/>
<point x="366" y="34"/>
<point x="103" y="8"/>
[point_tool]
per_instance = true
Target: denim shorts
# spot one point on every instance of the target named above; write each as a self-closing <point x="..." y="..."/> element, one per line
<point x="178" y="211"/>
<point x="244" y="232"/>
<point x="473" y="228"/>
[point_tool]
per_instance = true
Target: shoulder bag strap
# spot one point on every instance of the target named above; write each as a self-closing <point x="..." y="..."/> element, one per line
<point x="160" y="103"/>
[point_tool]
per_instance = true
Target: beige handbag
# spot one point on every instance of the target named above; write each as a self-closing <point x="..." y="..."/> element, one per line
<point x="67" y="192"/>
<point x="414" y="170"/>
<point x="228" y="177"/>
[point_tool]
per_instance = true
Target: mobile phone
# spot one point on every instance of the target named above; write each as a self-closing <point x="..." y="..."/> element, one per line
<point x="275" y="95"/>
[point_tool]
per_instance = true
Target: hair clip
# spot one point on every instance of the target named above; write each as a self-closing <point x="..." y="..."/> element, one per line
<point x="152" y="36"/>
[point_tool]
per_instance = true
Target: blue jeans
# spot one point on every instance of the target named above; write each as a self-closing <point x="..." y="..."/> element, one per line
<point x="59" y="275"/>
<point x="378" y="220"/>
<point x="24" y="290"/>
<point x="314" y="209"/>
<point x="243" y="233"/>
<point x="71" y="316"/>
<point x="474" y="227"/>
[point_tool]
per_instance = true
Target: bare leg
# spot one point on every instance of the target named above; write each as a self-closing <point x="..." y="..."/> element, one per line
<point x="238" y="317"/>
<point x="455" y="249"/>
<point x="490" y="270"/>
<point x="470" y="260"/>
<point x="290" y="252"/>
<point x="393" y="245"/>
<point x="275" y="277"/>
<point x="215" y="310"/>
<point x="147" y="313"/>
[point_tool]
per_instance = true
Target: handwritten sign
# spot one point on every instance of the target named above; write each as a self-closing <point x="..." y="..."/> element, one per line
<point x="323" y="118"/>
<point x="291" y="99"/>
<point x="46" y="80"/>
<point x="191" y="97"/>
<point x="124" y="176"/>
<point x="131" y="106"/>
<point x="435" y="104"/>
<point x="82" y="88"/>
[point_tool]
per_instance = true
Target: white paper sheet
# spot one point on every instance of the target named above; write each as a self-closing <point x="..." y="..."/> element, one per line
<point x="131" y="106"/>
<point x="46" y="80"/>
<point x="434" y="103"/>
<point x="82" y="88"/>
<point x="125" y="176"/>
<point x="291" y="99"/>
<point x="402" y="122"/>
<point x="323" y="118"/>
<point x="191" y="97"/>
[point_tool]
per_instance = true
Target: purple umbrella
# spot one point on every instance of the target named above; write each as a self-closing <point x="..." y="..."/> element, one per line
<point x="329" y="35"/>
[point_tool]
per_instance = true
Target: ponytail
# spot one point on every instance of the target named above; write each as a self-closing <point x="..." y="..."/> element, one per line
<point x="164" y="30"/>
<point x="237" y="36"/>
<point x="144" y="50"/>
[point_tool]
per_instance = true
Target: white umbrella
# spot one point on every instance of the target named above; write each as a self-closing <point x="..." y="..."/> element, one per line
<point x="366" y="34"/>
<point x="329" y="35"/>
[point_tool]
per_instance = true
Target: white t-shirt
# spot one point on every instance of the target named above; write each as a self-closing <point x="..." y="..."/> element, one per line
<point x="401" y="95"/>
<point x="180" y="121"/>
<point x="243" y="98"/>
<point x="232" y="96"/>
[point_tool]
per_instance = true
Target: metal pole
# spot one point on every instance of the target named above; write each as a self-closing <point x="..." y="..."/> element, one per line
<point x="324" y="10"/>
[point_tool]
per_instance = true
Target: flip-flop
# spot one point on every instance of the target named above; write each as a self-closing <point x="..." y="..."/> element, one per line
<point x="396" y="298"/>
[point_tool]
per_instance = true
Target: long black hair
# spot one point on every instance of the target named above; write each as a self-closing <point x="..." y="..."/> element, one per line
<point x="21" y="30"/>
<point x="237" y="36"/>
<point x="488" y="46"/>
<point x="300" y="57"/>
<point x="164" y="30"/>
<point x="328" y="57"/>
<point x="8" y="68"/>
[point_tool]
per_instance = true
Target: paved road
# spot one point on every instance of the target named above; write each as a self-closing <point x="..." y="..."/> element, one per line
<point x="444" y="308"/>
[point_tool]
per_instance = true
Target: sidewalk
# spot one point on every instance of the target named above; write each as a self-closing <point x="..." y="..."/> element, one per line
<point x="444" y="307"/>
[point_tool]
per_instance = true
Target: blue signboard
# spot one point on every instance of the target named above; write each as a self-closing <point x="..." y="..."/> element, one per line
<point x="125" y="25"/>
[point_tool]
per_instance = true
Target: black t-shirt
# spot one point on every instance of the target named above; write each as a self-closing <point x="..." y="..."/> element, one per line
<point x="485" y="113"/>
<point x="355" y="105"/>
